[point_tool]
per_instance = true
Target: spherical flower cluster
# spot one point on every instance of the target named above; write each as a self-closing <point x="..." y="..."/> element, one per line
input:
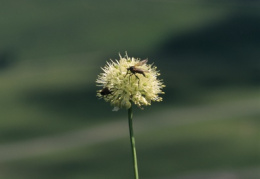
<point x="129" y="80"/>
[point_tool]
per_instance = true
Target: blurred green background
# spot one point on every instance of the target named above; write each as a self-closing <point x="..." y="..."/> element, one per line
<point x="53" y="126"/>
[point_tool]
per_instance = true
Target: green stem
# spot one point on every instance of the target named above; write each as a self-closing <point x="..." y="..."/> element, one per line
<point x="132" y="140"/>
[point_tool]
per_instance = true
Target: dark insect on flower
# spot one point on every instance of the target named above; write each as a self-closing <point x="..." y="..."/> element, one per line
<point x="105" y="91"/>
<point x="134" y="69"/>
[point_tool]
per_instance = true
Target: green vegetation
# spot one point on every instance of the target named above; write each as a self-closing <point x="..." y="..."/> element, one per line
<point x="208" y="54"/>
<point x="168" y="151"/>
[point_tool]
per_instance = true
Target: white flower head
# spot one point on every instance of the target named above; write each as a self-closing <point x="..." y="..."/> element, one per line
<point x="129" y="80"/>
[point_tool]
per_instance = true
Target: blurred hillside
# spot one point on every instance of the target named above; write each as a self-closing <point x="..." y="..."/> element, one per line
<point x="227" y="51"/>
<point x="52" y="125"/>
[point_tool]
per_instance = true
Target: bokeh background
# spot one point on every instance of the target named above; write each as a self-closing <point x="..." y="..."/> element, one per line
<point x="53" y="126"/>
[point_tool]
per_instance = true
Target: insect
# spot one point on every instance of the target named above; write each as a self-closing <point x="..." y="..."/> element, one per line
<point x="105" y="91"/>
<point x="134" y="69"/>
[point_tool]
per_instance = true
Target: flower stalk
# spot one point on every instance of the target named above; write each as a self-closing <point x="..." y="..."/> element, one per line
<point x="132" y="141"/>
<point x="127" y="82"/>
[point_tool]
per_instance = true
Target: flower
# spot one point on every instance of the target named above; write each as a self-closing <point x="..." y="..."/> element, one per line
<point x="129" y="80"/>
